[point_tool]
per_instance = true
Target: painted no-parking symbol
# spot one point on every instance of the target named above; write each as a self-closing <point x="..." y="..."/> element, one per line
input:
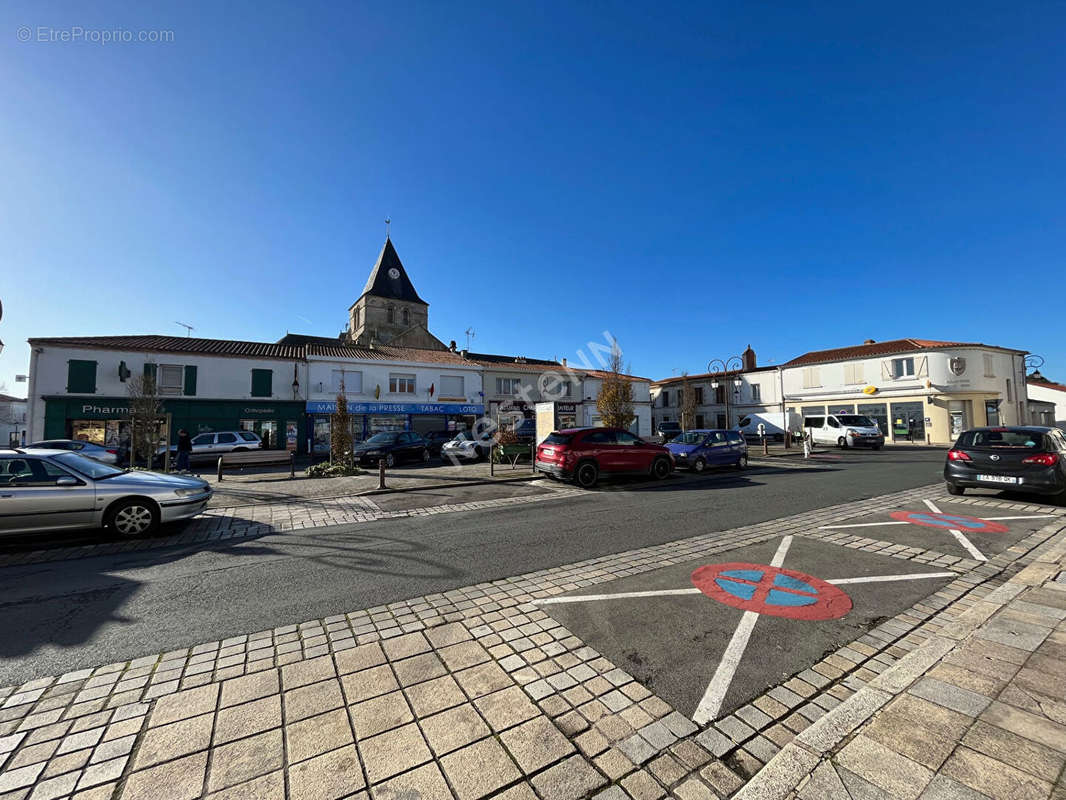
<point x="775" y="591"/>
<point x="958" y="522"/>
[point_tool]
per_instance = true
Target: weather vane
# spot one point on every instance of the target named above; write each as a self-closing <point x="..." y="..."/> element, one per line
<point x="388" y="226"/>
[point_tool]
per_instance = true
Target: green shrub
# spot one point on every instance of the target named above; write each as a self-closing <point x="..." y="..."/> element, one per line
<point x="326" y="470"/>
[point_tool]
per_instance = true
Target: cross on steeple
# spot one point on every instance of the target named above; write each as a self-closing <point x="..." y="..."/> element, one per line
<point x="388" y="226"/>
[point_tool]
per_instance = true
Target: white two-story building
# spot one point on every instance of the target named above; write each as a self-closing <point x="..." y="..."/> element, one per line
<point x="918" y="390"/>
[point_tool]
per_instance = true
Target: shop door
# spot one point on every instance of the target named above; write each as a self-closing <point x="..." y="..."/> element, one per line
<point x="908" y="422"/>
<point x="878" y="412"/>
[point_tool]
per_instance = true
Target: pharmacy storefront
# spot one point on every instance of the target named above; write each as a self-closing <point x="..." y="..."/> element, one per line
<point x="371" y="418"/>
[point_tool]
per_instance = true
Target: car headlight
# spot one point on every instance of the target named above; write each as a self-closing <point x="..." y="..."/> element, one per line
<point x="190" y="492"/>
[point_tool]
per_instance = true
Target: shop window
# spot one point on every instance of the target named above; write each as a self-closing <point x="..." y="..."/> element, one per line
<point x="402" y="384"/>
<point x="81" y="377"/>
<point x="170" y="379"/>
<point x="452" y="386"/>
<point x="351" y="381"/>
<point x="262" y="382"/>
<point x="756" y="393"/>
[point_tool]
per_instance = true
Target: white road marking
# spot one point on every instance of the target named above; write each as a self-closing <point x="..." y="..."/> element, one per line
<point x="967" y="545"/>
<point x="712" y="700"/>
<point x="863" y="525"/>
<point x="914" y="576"/>
<point x="1031" y="516"/>
<point x="585" y="598"/>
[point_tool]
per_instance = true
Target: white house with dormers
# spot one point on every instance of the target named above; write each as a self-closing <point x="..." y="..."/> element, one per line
<point x="918" y="390"/>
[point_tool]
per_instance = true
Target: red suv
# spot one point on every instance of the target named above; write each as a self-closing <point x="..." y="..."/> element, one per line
<point x="581" y="454"/>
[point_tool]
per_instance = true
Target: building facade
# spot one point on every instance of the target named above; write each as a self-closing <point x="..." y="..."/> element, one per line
<point x="1048" y="401"/>
<point x="917" y="390"/>
<point x="13" y="419"/>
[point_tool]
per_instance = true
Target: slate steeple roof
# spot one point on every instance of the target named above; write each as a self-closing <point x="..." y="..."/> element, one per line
<point x="381" y="284"/>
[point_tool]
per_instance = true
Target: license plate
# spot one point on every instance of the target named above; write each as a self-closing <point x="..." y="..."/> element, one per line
<point x="998" y="479"/>
<point x="548" y="451"/>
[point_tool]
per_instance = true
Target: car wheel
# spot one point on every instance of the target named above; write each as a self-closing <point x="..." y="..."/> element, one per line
<point x="390" y="460"/>
<point x="425" y="455"/>
<point x="660" y="469"/>
<point x="955" y="490"/>
<point x="699" y="465"/>
<point x="842" y="443"/>
<point x="742" y="462"/>
<point x="587" y="474"/>
<point x="133" y="518"/>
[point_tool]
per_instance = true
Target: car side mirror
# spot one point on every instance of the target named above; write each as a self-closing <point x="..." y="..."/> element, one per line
<point x="67" y="480"/>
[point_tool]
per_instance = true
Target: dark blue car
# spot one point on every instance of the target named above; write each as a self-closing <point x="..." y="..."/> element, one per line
<point x="697" y="450"/>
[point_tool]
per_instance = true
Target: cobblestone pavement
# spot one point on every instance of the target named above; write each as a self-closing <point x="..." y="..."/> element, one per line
<point x="479" y="692"/>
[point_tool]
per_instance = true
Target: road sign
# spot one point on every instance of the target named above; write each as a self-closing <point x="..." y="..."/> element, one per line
<point x="957" y="522"/>
<point x="775" y="591"/>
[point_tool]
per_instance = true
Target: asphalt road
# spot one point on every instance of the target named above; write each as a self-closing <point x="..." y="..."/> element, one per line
<point x="65" y="615"/>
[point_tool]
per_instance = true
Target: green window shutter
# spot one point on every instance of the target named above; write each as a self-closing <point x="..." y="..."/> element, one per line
<point x="190" y="380"/>
<point x="149" y="370"/>
<point x="81" y="377"/>
<point x="262" y="382"/>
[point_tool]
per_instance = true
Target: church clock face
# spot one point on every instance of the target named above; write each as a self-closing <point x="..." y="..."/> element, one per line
<point x="394" y="273"/>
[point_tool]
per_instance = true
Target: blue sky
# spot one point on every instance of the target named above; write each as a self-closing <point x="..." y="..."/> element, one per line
<point x="693" y="178"/>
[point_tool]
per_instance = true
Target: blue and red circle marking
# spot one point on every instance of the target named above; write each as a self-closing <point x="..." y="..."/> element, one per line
<point x="776" y="591"/>
<point x="958" y="522"/>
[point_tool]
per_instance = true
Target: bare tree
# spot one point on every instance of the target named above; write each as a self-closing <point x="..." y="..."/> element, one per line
<point x="145" y="416"/>
<point x="340" y="430"/>
<point x="687" y="403"/>
<point x="615" y="402"/>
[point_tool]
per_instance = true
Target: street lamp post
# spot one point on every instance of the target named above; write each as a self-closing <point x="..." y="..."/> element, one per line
<point x="719" y="367"/>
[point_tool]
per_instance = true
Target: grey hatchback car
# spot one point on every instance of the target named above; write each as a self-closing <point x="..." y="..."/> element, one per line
<point x="44" y="490"/>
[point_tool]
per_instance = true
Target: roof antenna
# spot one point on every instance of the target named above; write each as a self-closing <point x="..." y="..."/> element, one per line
<point x="388" y="226"/>
<point x="469" y="335"/>
<point x="188" y="328"/>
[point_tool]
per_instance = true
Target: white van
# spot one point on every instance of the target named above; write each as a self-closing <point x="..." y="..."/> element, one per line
<point x="844" y="430"/>
<point x="774" y="423"/>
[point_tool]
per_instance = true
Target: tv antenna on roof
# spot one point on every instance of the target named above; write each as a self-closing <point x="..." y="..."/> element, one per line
<point x="188" y="328"/>
<point x="469" y="335"/>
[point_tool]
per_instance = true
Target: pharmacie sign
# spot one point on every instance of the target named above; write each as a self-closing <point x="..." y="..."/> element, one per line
<point x="90" y="410"/>
<point x="330" y="407"/>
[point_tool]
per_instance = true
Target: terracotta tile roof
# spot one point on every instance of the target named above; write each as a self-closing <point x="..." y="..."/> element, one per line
<point x="1058" y="387"/>
<point x="599" y="373"/>
<point x="179" y="344"/>
<point x="881" y="349"/>
<point x="384" y="352"/>
<point x="706" y="376"/>
<point x="6" y="398"/>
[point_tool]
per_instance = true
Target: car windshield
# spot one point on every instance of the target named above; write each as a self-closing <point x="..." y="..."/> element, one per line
<point x="1028" y="440"/>
<point x="691" y="437"/>
<point x="859" y="420"/>
<point x="383" y="438"/>
<point x="87" y="466"/>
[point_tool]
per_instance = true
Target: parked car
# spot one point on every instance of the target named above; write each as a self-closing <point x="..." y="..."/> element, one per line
<point x="583" y="454"/>
<point x="668" y="430"/>
<point x="1025" y="459"/>
<point x="844" y="430"/>
<point x="108" y="455"/>
<point x="211" y="445"/>
<point x="392" y="447"/>
<point x="468" y="446"/>
<point x="775" y="424"/>
<point x="435" y="440"/>
<point x="699" y="449"/>
<point x="56" y="489"/>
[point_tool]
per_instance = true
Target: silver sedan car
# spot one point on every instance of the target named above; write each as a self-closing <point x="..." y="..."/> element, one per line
<point x="109" y="455"/>
<point x="55" y="489"/>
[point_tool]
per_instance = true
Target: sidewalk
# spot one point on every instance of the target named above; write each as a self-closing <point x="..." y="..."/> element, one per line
<point x="479" y="692"/>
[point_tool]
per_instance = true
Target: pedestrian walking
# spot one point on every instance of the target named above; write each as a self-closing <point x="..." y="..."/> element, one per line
<point x="807" y="443"/>
<point x="184" y="449"/>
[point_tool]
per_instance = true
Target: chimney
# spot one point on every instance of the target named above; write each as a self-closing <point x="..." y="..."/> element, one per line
<point x="564" y="362"/>
<point x="869" y="341"/>
<point x="748" y="358"/>
<point x="451" y="346"/>
<point x="463" y="352"/>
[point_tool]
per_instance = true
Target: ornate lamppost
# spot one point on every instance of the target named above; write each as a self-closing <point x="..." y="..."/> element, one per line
<point x="720" y="369"/>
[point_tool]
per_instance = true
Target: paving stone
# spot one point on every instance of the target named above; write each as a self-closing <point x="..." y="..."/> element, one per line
<point x="167" y="742"/>
<point x="883" y="767"/>
<point x="435" y="695"/>
<point x="482" y="679"/>
<point x="257" y="716"/>
<point x="950" y="696"/>
<point x="358" y="658"/>
<point x="312" y="699"/>
<point x="824" y="784"/>
<point x="721" y="778"/>
<point x="1030" y="726"/>
<point x="250" y="687"/>
<point x="423" y="783"/>
<point x="637" y="749"/>
<point x="667" y="770"/>
<point x="479" y="769"/>
<point x="393" y="752"/>
<point x="642" y="786"/>
<point x="444" y="635"/>
<point x="452" y="729"/>
<point x="302" y="673"/>
<point x="941" y="787"/>
<point x="102" y="772"/>
<point x="536" y="744"/>
<point x="405" y="646"/>
<point x="184" y="779"/>
<point x="368" y="683"/>
<point x="572" y="779"/>
<point x="334" y="774"/>
<point x="379" y="714"/>
<point x="992" y="777"/>
<point x="185" y="704"/>
<point x="418" y="669"/>
<point x="462" y="655"/>
<point x="315" y="735"/>
<point x="715" y="741"/>
<point x="266" y="787"/>
<point x="19" y="778"/>
<point x="245" y="759"/>
<point x="1029" y="756"/>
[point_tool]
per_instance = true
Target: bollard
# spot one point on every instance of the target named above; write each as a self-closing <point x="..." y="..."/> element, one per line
<point x="220" y="469"/>
<point x="492" y="462"/>
<point x="381" y="474"/>
<point x="765" y="446"/>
